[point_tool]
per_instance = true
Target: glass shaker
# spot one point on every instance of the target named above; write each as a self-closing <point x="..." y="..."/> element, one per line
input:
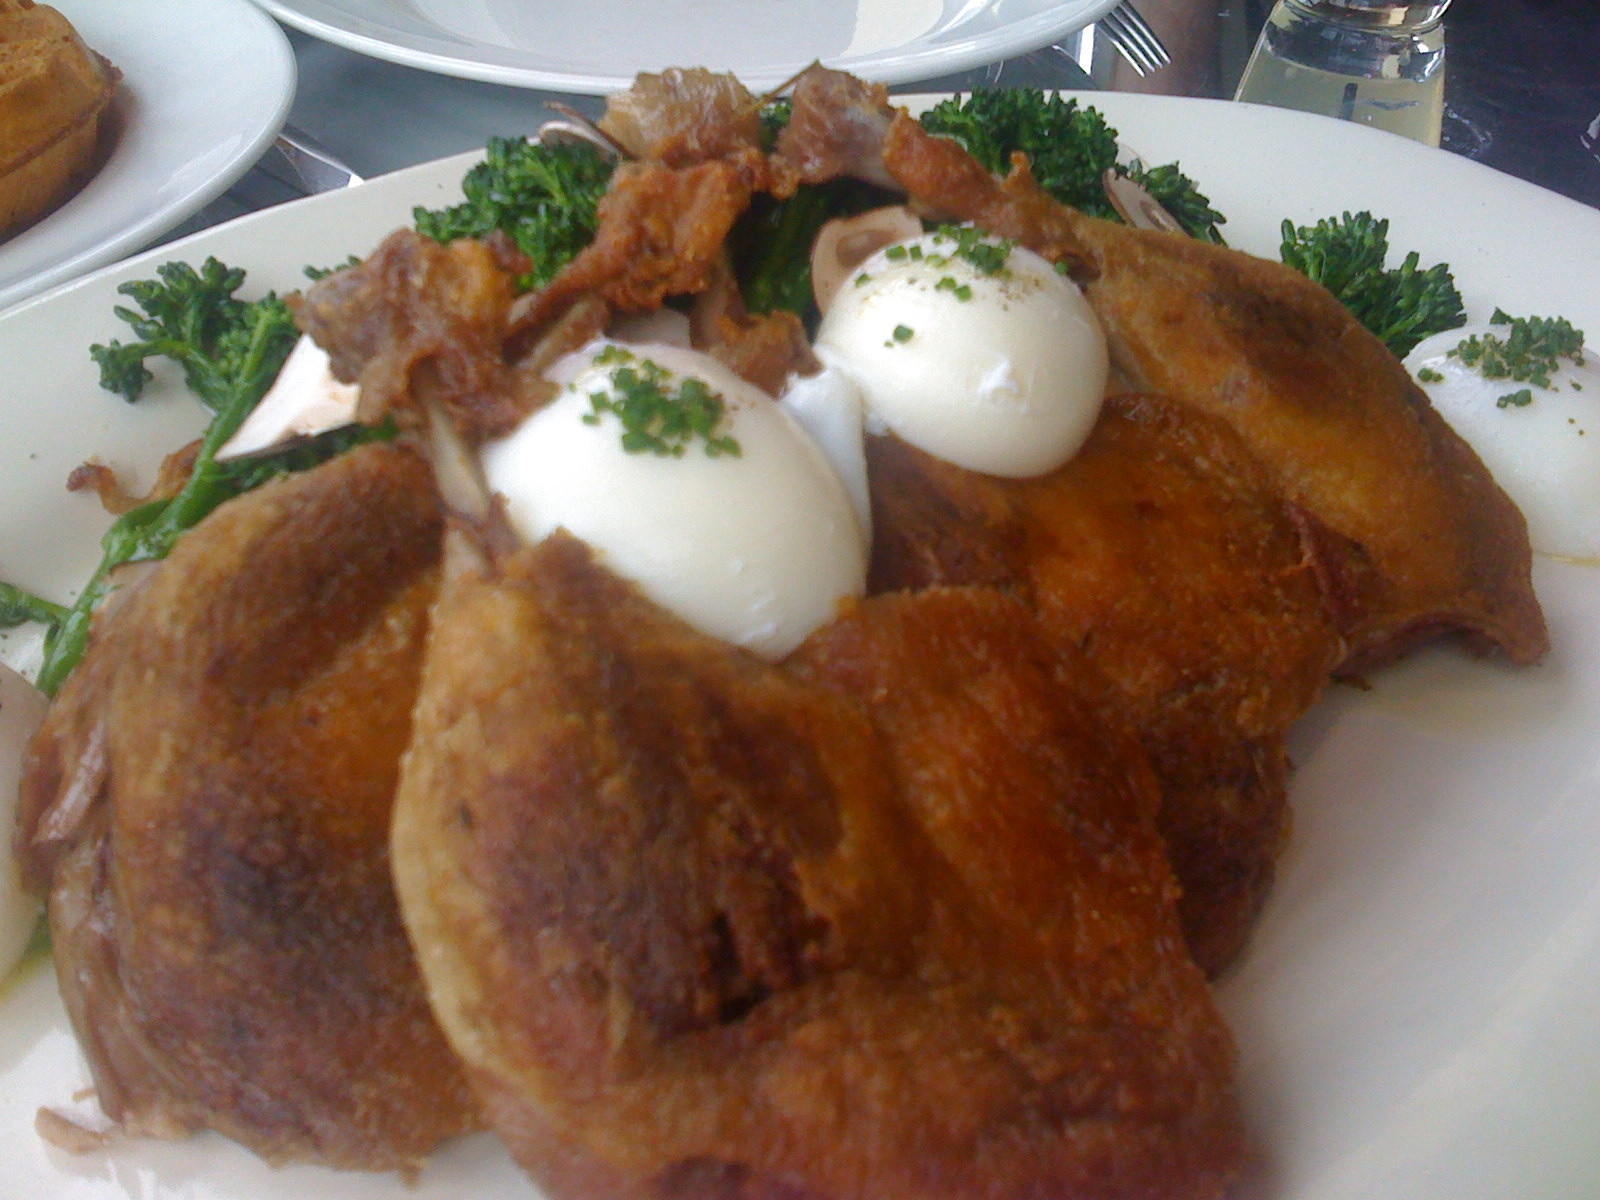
<point x="1377" y="62"/>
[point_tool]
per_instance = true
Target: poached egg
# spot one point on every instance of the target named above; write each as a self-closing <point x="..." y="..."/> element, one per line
<point x="971" y="349"/>
<point x="1541" y="444"/>
<point x="741" y="526"/>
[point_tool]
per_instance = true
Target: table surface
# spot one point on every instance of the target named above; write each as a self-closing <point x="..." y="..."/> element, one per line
<point x="1522" y="89"/>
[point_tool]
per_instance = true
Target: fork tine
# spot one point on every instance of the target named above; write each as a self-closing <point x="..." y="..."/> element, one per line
<point x="1158" y="50"/>
<point x="1134" y="39"/>
<point x="1124" y="42"/>
<point x="1136" y="23"/>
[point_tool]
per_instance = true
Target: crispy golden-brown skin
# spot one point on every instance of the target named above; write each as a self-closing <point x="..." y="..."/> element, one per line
<point x="209" y="803"/>
<point x="1163" y="554"/>
<point x="1425" y="540"/>
<point x="891" y="921"/>
<point x="1416" y="538"/>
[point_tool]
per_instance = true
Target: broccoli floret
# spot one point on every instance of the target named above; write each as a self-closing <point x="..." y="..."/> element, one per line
<point x="1068" y="147"/>
<point x="230" y="351"/>
<point x="770" y="244"/>
<point x="1069" y="150"/>
<point x="1177" y="193"/>
<point x="775" y="116"/>
<point x="1348" y="256"/>
<point x="544" y="197"/>
<point x="192" y="317"/>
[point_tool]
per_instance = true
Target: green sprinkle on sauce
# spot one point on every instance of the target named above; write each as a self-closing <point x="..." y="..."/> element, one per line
<point x="983" y="253"/>
<point x="960" y="291"/>
<point x="656" y="417"/>
<point x="973" y="246"/>
<point x="1529" y="353"/>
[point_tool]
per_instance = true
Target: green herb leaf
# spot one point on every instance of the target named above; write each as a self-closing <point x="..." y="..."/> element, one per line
<point x="1530" y="352"/>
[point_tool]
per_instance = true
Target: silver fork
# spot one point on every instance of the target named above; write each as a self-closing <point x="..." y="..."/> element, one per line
<point x="1134" y="39"/>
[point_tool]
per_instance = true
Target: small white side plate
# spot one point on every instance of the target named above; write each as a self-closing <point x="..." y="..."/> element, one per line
<point x="206" y="85"/>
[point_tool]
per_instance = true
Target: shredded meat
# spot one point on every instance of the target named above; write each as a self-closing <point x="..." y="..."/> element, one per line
<point x="116" y="499"/>
<point x="765" y="349"/>
<point x="417" y="324"/>
<point x="943" y="178"/>
<point x="836" y="128"/>
<point x="844" y="127"/>
<point x="661" y="233"/>
<point x="684" y="117"/>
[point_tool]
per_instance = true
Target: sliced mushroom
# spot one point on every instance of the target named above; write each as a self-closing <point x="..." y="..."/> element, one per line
<point x="844" y="243"/>
<point x="661" y="326"/>
<point x="573" y="128"/>
<point x="1135" y="205"/>
<point x="303" y="401"/>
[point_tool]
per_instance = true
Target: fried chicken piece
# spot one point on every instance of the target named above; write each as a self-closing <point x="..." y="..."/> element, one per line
<point x="208" y="804"/>
<point x="1162" y="553"/>
<point x="889" y="922"/>
<point x="1415" y="537"/>
<point x="1424" y="541"/>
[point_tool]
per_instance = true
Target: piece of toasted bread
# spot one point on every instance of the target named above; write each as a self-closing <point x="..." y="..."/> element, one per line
<point x="54" y="94"/>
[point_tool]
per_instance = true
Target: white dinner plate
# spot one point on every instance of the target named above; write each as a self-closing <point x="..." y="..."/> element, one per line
<point x="1419" y="1012"/>
<point x="206" y="85"/>
<point x="597" y="46"/>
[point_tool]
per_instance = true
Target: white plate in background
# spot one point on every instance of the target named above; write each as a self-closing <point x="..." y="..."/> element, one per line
<point x="1419" y="1012"/>
<point x="597" y="46"/>
<point x="206" y="85"/>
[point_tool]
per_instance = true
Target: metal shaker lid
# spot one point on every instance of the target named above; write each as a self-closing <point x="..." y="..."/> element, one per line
<point x="1387" y="14"/>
